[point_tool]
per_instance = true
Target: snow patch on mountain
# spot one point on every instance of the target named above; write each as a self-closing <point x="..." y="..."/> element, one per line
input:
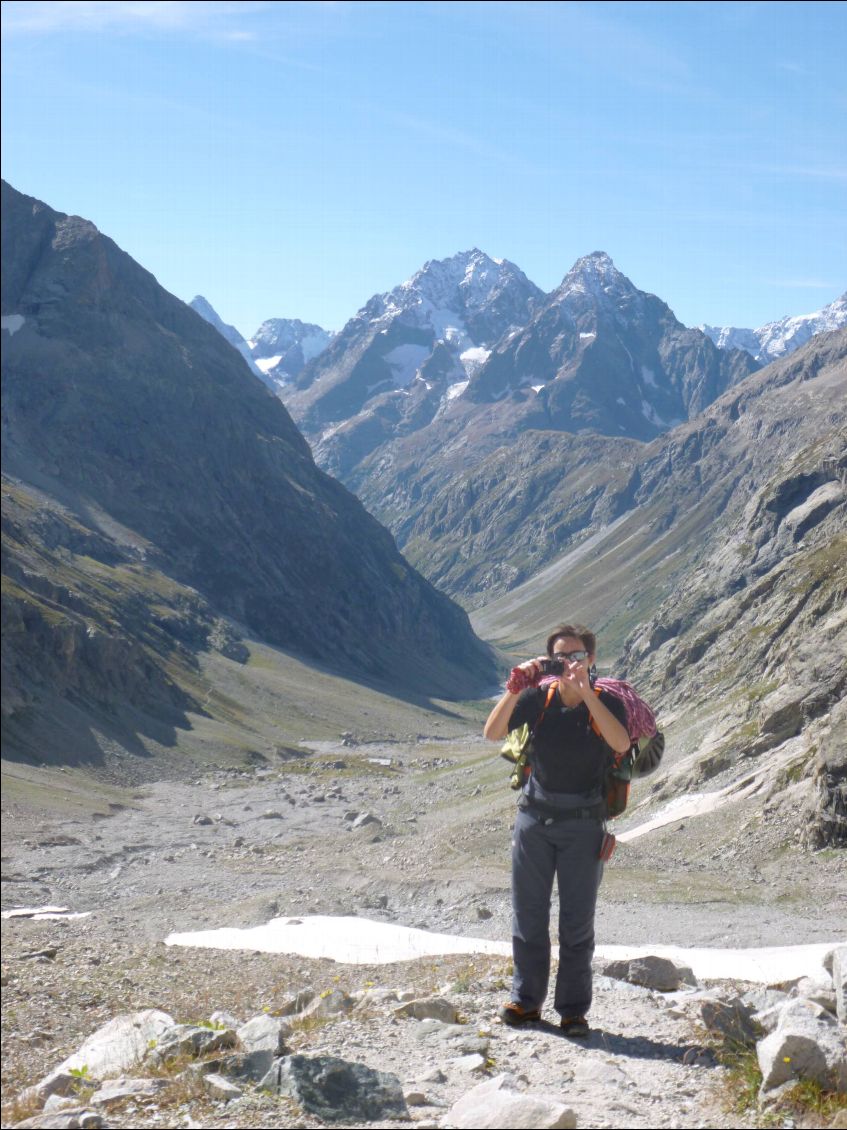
<point x="12" y="323"/>
<point x="776" y="339"/>
<point x="266" y="363"/>
<point x="473" y="359"/>
<point x="456" y="390"/>
<point x="405" y="362"/>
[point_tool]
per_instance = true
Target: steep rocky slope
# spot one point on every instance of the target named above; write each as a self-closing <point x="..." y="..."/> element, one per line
<point x="207" y="311"/>
<point x="166" y="466"/>
<point x="729" y="567"/>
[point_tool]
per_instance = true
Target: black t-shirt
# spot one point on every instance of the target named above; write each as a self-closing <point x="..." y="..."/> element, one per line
<point x="568" y="757"/>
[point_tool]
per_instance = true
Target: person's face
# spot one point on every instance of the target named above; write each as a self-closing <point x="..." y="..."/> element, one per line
<point x="572" y="651"/>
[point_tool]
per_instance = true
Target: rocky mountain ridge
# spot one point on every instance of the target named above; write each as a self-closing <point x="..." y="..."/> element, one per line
<point x="173" y="478"/>
<point x="407" y="355"/>
<point x="776" y="339"/>
<point x="281" y="347"/>
<point x="597" y="357"/>
<point x="205" y="309"/>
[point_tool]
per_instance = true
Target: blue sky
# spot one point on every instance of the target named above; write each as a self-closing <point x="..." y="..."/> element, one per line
<point x="292" y="159"/>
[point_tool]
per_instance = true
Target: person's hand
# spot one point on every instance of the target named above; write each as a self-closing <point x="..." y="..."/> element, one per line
<point x="575" y="675"/>
<point x="525" y="675"/>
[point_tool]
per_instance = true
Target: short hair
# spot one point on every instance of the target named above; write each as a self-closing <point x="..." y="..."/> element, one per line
<point x="578" y="631"/>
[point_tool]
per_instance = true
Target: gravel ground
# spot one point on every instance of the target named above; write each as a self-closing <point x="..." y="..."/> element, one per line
<point x="280" y="842"/>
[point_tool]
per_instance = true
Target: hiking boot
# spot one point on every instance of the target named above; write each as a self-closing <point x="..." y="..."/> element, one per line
<point x="575" y="1026"/>
<point x="514" y="1015"/>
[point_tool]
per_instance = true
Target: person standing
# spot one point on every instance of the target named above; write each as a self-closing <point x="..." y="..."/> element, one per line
<point x="559" y="824"/>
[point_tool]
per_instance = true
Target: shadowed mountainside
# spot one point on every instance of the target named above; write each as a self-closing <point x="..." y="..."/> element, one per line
<point x="136" y="444"/>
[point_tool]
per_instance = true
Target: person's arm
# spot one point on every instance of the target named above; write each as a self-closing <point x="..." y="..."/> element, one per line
<point x="497" y="725"/>
<point x="612" y="731"/>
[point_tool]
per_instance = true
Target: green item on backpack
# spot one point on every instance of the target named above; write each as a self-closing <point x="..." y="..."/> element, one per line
<point x="518" y="745"/>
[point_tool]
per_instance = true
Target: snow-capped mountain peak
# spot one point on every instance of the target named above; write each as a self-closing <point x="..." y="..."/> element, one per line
<point x="776" y="339"/>
<point x="595" y="274"/>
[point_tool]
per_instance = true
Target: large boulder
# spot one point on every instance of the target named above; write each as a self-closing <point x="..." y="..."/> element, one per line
<point x="337" y="1090"/>
<point x="112" y="1050"/>
<point x="806" y="1044"/>
<point x="496" y="1105"/>
<point x="651" y="972"/>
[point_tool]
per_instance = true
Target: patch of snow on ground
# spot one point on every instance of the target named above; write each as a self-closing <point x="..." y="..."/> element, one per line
<point x="694" y="804"/>
<point x="537" y="388"/>
<point x="649" y="376"/>
<point x="360" y="941"/>
<point x="621" y="400"/>
<point x="12" y="323"/>
<point x="765" y="965"/>
<point x="405" y="360"/>
<point x="45" y="913"/>
<point x="356" y="941"/>
<point x="587" y="336"/>
<point x="265" y="363"/>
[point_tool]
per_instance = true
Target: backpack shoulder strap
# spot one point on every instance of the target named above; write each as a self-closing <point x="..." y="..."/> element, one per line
<point x="551" y="694"/>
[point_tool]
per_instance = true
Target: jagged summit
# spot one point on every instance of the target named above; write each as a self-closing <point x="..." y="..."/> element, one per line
<point x="596" y="275"/>
<point x="779" y="338"/>
<point x="463" y="283"/>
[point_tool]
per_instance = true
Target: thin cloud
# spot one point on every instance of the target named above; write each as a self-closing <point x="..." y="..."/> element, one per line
<point x="132" y="16"/>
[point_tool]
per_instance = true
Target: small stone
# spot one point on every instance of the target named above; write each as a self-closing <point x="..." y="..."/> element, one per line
<point x="365" y="818"/>
<point x="651" y="972"/>
<point x="434" y="1075"/>
<point x="430" y="1008"/>
<point x="329" y="1004"/>
<point x="221" y="1016"/>
<point x="469" y="1063"/>
<point x="415" y="1098"/>
<point x="264" y="1032"/>
<point x="201" y="819"/>
<point x="221" y="1088"/>
<point x="191" y="1039"/>
<point x="117" y="1090"/>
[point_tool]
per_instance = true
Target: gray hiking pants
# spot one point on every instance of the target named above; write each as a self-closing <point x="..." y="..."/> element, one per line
<point x="569" y="850"/>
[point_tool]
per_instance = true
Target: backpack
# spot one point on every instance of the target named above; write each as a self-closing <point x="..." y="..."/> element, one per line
<point x="645" y="751"/>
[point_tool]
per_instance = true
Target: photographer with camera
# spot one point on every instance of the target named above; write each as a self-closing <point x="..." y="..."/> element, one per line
<point x="559" y="828"/>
